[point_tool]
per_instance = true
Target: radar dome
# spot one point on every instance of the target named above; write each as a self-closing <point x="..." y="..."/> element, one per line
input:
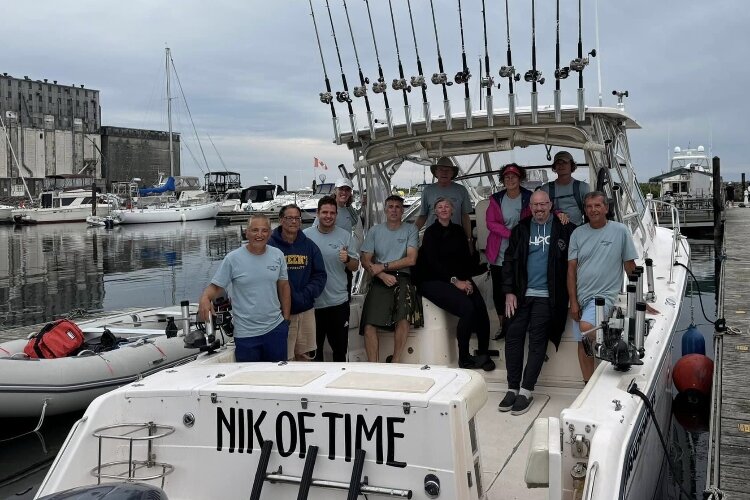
<point x="701" y="149"/>
<point x="677" y="149"/>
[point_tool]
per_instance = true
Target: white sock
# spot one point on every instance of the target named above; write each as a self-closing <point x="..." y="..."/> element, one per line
<point x="525" y="392"/>
<point x="514" y="391"/>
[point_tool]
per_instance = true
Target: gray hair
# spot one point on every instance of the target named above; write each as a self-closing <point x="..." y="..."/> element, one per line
<point x="259" y="217"/>
<point x="595" y="194"/>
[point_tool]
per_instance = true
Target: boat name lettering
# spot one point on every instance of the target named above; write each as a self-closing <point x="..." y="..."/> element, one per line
<point x="241" y="430"/>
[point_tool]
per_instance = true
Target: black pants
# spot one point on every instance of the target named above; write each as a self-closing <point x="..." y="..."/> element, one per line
<point x="332" y="323"/>
<point x="470" y="309"/>
<point x="498" y="297"/>
<point x="534" y="314"/>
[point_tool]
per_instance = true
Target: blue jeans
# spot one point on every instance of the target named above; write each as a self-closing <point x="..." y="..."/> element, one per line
<point x="268" y="347"/>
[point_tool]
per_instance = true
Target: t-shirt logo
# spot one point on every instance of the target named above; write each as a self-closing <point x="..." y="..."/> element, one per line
<point x="296" y="260"/>
<point x="272" y="268"/>
<point x="606" y="243"/>
<point x="401" y="240"/>
<point x="539" y="240"/>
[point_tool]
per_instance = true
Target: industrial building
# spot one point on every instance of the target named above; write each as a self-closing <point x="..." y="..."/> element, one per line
<point x="50" y="129"/>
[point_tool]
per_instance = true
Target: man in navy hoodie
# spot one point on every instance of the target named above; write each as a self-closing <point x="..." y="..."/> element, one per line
<point x="307" y="277"/>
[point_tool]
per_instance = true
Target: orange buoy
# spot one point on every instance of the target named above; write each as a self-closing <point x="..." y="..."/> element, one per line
<point x="693" y="372"/>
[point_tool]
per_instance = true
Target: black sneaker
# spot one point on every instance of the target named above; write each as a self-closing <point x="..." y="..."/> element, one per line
<point x="521" y="405"/>
<point x="484" y="362"/>
<point x="507" y="403"/>
<point x="469" y="362"/>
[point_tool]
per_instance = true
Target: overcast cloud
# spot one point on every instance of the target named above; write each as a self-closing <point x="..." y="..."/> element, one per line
<point x="251" y="69"/>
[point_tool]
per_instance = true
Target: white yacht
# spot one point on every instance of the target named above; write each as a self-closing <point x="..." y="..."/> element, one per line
<point x="66" y="198"/>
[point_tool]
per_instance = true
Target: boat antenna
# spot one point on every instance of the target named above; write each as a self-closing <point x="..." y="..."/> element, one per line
<point x="343" y="96"/>
<point x="509" y="72"/>
<point x="419" y="81"/>
<point x="579" y="64"/>
<point x="598" y="59"/>
<point x="380" y="86"/>
<point x="560" y="73"/>
<point x="361" y="91"/>
<point x="400" y="82"/>
<point x="534" y="75"/>
<point x="441" y="78"/>
<point x="487" y="81"/>
<point x="464" y="75"/>
<point x="169" y="114"/>
<point x="327" y="96"/>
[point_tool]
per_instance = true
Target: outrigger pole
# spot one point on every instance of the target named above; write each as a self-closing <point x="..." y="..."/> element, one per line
<point x="579" y="64"/>
<point x="441" y="78"/>
<point x="560" y="73"/>
<point x="361" y="91"/>
<point x="488" y="81"/>
<point x="400" y="82"/>
<point x="464" y="75"/>
<point x="380" y="86"/>
<point x="344" y="95"/>
<point x="534" y="75"/>
<point x="509" y="72"/>
<point x="419" y="81"/>
<point x="327" y="96"/>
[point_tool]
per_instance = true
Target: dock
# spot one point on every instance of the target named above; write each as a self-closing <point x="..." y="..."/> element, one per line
<point x="729" y="460"/>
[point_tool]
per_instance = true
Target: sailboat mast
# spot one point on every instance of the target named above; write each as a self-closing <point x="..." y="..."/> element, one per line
<point x="169" y="116"/>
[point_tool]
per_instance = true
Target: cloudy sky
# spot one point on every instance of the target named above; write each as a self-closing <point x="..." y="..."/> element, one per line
<point x="251" y="71"/>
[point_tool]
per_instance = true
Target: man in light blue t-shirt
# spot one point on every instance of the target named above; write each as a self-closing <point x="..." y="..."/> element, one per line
<point x="388" y="253"/>
<point x="598" y="252"/>
<point x="445" y="171"/>
<point x="255" y="276"/>
<point x="339" y="250"/>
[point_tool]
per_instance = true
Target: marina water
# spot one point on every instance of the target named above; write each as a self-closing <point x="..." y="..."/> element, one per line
<point x="48" y="271"/>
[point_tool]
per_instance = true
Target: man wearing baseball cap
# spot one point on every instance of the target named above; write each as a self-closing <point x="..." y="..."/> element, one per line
<point x="445" y="171"/>
<point x="566" y="192"/>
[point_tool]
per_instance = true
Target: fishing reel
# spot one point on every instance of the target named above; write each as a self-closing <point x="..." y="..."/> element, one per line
<point x="562" y="73"/>
<point x="488" y="81"/>
<point x="462" y="76"/>
<point x="380" y="86"/>
<point x="534" y="75"/>
<point x="619" y="340"/>
<point x="326" y="97"/>
<point x="441" y="79"/>
<point x="343" y="96"/>
<point x="509" y="72"/>
<point x="400" y="84"/>
<point x="418" y="81"/>
<point x="360" y="91"/>
<point x="579" y="63"/>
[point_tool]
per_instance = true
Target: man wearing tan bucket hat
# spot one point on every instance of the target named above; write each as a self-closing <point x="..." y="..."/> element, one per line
<point x="445" y="171"/>
<point x="566" y="192"/>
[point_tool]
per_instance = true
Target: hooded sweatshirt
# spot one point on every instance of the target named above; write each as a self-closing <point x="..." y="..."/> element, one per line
<point x="305" y="267"/>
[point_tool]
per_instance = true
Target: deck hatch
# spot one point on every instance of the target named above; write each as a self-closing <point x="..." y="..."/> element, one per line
<point x="272" y="378"/>
<point x="382" y="382"/>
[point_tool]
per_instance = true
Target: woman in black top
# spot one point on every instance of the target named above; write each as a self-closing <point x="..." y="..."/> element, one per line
<point x="444" y="268"/>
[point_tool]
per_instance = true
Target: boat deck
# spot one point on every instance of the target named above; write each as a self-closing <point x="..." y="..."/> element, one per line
<point x="734" y="364"/>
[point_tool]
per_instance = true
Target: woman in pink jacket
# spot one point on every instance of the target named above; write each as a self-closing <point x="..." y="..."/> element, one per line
<point x="505" y="210"/>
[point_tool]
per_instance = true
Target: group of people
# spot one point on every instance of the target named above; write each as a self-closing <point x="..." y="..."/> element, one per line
<point x="550" y="253"/>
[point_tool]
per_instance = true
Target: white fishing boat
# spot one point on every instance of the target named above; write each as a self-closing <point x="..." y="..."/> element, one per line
<point x="688" y="185"/>
<point x="66" y="198"/>
<point x="6" y="213"/>
<point x="593" y="441"/>
<point x="138" y="346"/>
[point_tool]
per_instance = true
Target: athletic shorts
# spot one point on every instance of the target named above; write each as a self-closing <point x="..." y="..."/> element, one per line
<point x="588" y="314"/>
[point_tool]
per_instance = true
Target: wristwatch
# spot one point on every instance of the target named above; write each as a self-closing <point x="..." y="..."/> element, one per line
<point x="453" y="280"/>
<point x="385" y="266"/>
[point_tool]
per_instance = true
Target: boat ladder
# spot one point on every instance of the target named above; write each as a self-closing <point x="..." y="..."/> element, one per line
<point x="132" y="469"/>
<point x="355" y="487"/>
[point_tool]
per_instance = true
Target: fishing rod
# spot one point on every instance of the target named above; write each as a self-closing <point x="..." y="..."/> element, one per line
<point x="441" y="78"/>
<point x="463" y="76"/>
<point x="343" y="96"/>
<point x="419" y="81"/>
<point x="533" y="75"/>
<point x="361" y="91"/>
<point x="509" y="72"/>
<point x="400" y="82"/>
<point x="579" y="64"/>
<point x="327" y="96"/>
<point x="560" y="73"/>
<point x="380" y="86"/>
<point x="488" y="81"/>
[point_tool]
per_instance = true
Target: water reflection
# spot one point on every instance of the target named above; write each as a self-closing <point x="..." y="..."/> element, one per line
<point x="50" y="270"/>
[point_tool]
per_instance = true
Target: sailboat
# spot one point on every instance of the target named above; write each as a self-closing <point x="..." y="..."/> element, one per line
<point x="167" y="211"/>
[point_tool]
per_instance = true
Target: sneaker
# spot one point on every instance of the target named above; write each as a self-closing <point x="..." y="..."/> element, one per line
<point x="521" y="405"/>
<point x="469" y="362"/>
<point x="485" y="362"/>
<point x="507" y="403"/>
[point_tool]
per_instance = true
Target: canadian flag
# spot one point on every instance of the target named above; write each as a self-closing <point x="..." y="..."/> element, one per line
<point x="319" y="163"/>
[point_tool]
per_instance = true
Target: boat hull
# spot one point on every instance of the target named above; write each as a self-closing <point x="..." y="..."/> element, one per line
<point x="171" y="214"/>
<point x="55" y="215"/>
